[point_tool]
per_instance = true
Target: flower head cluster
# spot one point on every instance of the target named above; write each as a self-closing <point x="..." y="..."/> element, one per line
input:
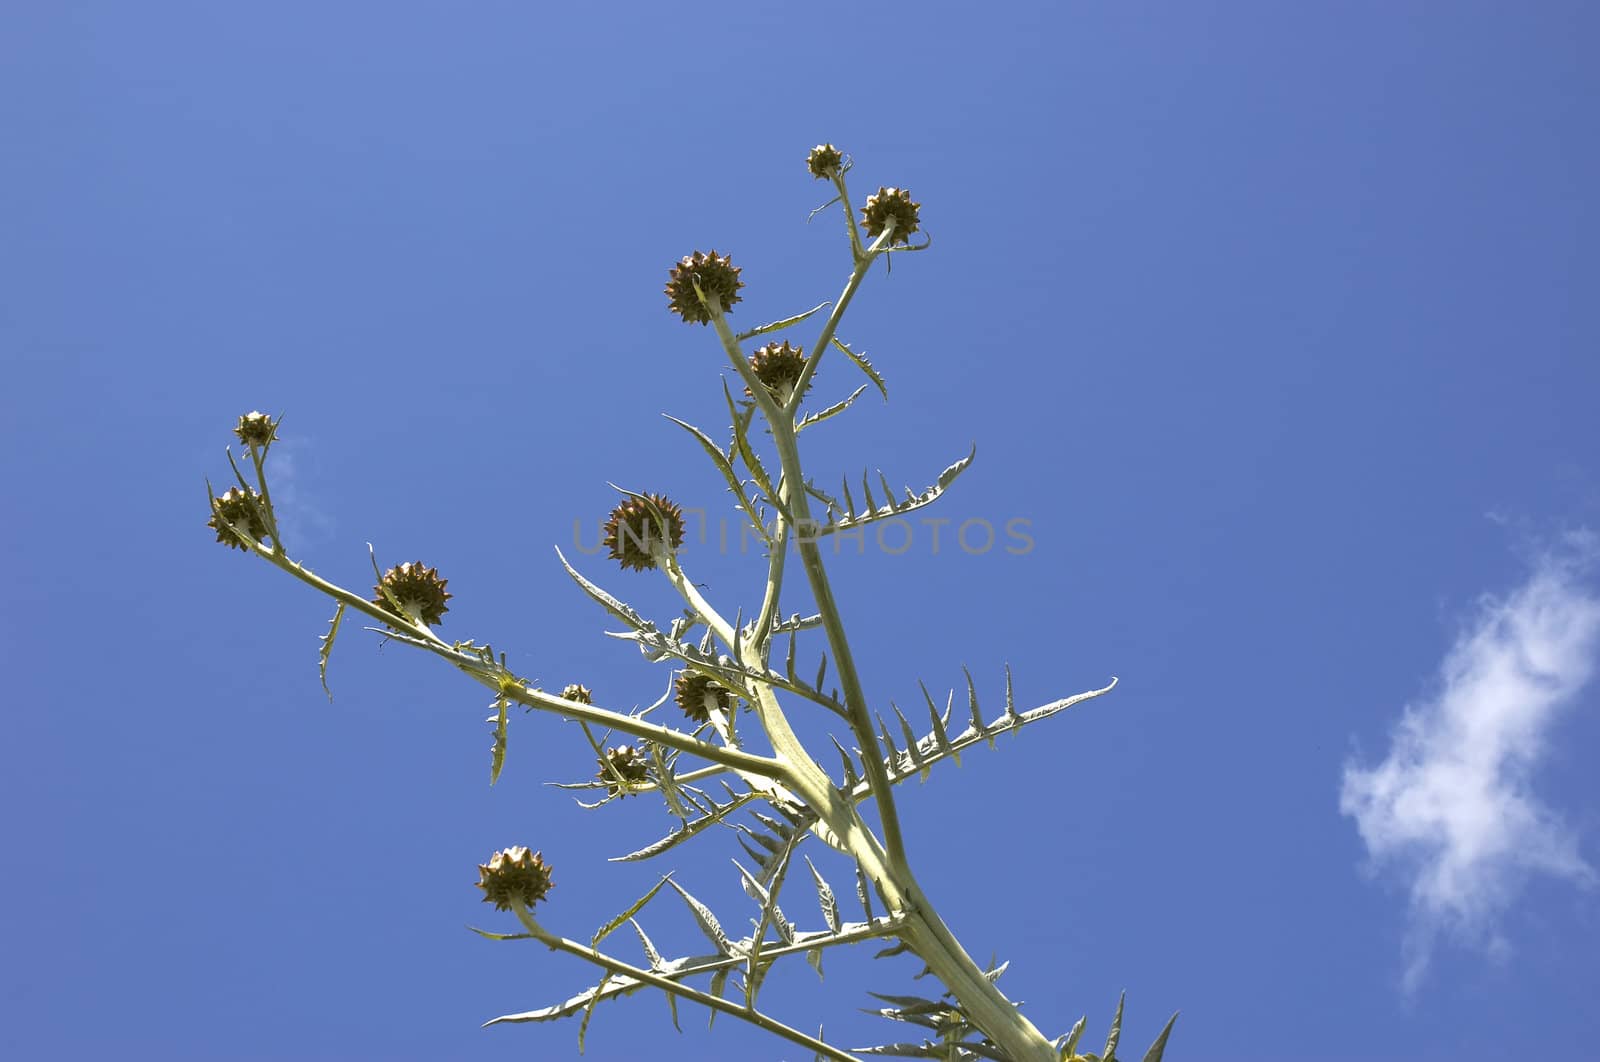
<point x="639" y="525"/>
<point x="824" y="161"/>
<point x="418" y="590"/>
<point x="514" y="876"/>
<point x="237" y="507"/>
<point x="718" y="279"/>
<point x="576" y="692"/>
<point x="778" y="365"/>
<point x="626" y="763"/>
<point x="697" y="694"/>
<point x="891" y="204"/>
<point x="256" y="429"/>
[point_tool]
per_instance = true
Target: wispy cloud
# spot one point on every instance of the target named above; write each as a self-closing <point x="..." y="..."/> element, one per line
<point x="299" y="516"/>
<point x="1452" y="808"/>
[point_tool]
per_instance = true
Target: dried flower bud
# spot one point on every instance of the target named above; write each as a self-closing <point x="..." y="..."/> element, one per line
<point x="515" y="875"/>
<point x="891" y="204"/>
<point x="238" y="506"/>
<point x="778" y="365"/>
<point x="824" y="161"/>
<point x="635" y="530"/>
<point x="624" y="762"/>
<point x="256" y="429"/>
<point x="719" y="280"/>
<point x="418" y="589"/>
<point x="697" y="694"/>
<point x="577" y="693"/>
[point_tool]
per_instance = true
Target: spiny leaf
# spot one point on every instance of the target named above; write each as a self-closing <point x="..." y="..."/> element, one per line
<point x="705" y="920"/>
<point x="861" y="892"/>
<point x="850" y="776"/>
<point x="619" y="609"/>
<point x="787" y="322"/>
<point x="627" y="916"/>
<point x="588" y="1012"/>
<point x="688" y="830"/>
<point x="825" y="898"/>
<point x="814" y="957"/>
<point x="497" y="755"/>
<point x="1116" y="1029"/>
<point x="747" y="453"/>
<point x="832" y="411"/>
<point x="649" y="946"/>
<point x="911" y="741"/>
<point x="865" y="366"/>
<point x="326" y="649"/>
<point x="1068" y="1044"/>
<point x="720" y="459"/>
<point x="1159" y="1048"/>
<point x="718" y="981"/>
<point x="972" y="703"/>
<point x="941" y="737"/>
<point x="1011" y="716"/>
<point x="501" y="936"/>
<point x="855" y="518"/>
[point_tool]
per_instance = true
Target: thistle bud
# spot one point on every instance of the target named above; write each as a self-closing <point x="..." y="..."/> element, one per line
<point x="639" y="526"/>
<point x="418" y="590"/>
<point x="514" y="875"/>
<point x="824" y="161"/>
<point x="256" y="429"/>
<point x="719" y="281"/>
<point x="626" y="763"/>
<point x="778" y="365"/>
<point x="238" y="506"/>
<point x="891" y="204"/>
<point x="578" y="693"/>
<point x="697" y="695"/>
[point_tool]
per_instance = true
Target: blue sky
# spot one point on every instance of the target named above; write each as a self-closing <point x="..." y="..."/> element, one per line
<point x="1276" y="323"/>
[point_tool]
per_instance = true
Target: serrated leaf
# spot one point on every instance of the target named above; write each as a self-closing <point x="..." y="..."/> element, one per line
<point x="787" y="322"/>
<point x="1159" y="1048"/>
<point x="326" y="649"/>
<point x="747" y="453"/>
<point x="627" y="916"/>
<point x="649" y="945"/>
<point x="865" y="366"/>
<point x="705" y="920"/>
<point x="588" y="1012"/>
<point x="719" y="980"/>
<point x="1116" y="1029"/>
<point x="619" y="609"/>
<point x="720" y="459"/>
<point x="497" y="755"/>
<point x="688" y="830"/>
<point x="832" y="411"/>
<point x="1069" y="1043"/>
<point x="825" y="898"/>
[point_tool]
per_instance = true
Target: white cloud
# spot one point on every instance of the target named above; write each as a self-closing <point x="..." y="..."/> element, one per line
<point x="1451" y="808"/>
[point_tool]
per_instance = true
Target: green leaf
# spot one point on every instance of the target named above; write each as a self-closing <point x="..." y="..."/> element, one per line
<point x="1159" y="1048"/>
<point x="627" y="916"/>
<point x="705" y="920"/>
<point x="1116" y="1029"/>
<point x="787" y="322"/>
<point x="720" y="459"/>
<point x="865" y="366"/>
<point x="832" y="411"/>
<point x="497" y="756"/>
<point x="326" y="648"/>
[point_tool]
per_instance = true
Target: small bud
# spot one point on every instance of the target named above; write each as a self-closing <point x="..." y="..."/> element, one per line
<point x="696" y="694"/>
<point x="778" y="365"/>
<point x="719" y="280"/>
<point x="238" y="506"/>
<point x="577" y="693"/>
<point x="635" y="530"/>
<point x="824" y="161"/>
<point x="418" y="589"/>
<point x="256" y="429"/>
<point x="624" y="762"/>
<point x="891" y="204"/>
<point x="514" y="875"/>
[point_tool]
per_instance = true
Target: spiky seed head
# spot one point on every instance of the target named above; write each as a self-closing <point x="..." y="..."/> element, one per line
<point x="237" y="507"/>
<point x="635" y="530"/>
<point x="778" y="365"/>
<point x="256" y="429"/>
<point x="624" y="762"/>
<point x="824" y="161"/>
<point x="578" y="693"/>
<point x="514" y="875"/>
<point x="417" y="588"/>
<point x="696" y="694"/>
<point x="719" y="281"/>
<point x="891" y="204"/>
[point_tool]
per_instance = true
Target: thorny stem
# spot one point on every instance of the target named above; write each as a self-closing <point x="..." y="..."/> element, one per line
<point x="926" y="932"/>
<point x="667" y="984"/>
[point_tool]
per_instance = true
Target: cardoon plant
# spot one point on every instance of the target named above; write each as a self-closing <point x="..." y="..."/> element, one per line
<point x="730" y="674"/>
